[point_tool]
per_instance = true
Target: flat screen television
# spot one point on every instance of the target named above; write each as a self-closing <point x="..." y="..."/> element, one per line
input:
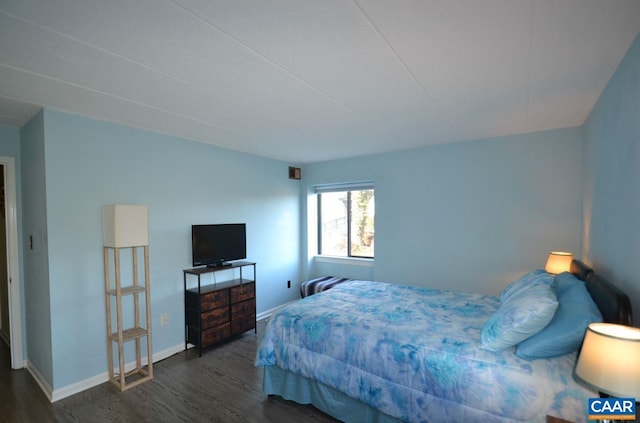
<point x="215" y="245"/>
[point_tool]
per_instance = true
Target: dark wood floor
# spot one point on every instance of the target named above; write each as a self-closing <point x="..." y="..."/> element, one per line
<point x="221" y="386"/>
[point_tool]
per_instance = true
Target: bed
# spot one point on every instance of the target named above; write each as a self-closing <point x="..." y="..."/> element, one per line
<point x="378" y="352"/>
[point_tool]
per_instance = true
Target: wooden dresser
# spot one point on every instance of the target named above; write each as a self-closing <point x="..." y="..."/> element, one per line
<point x="219" y="311"/>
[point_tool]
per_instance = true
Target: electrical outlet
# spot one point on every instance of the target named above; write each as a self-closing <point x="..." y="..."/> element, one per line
<point x="164" y="319"/>
<point x="288" y="284"/>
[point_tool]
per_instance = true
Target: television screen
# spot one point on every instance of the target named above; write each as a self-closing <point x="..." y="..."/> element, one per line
<point x="213" y="245"/>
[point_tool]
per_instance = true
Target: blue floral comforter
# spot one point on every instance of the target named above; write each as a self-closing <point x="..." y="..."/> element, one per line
<point x="414" y="353"/>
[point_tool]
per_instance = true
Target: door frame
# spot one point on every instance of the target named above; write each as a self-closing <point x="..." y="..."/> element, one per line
<point x="13" y="262"/>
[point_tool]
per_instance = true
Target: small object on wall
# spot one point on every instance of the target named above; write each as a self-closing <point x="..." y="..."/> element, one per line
<point x="127" y="227"/>
<point x="295" y="173"/>
<point x="558" y="262"/>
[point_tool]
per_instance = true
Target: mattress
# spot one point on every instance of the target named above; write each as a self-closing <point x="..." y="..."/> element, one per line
<point x="414" y="354"/>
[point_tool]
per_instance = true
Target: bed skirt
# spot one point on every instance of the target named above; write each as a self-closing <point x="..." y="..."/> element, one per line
<point x="330" y="401"/>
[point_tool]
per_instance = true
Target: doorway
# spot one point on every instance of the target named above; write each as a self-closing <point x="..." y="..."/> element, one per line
<point x="10" y="299"/>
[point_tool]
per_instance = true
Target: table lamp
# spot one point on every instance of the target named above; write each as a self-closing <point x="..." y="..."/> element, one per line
<point x="558" y="262"/>
<point x="610" y="359"/>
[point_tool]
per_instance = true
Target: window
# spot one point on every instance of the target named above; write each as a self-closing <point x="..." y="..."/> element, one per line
<point x="346" y="220"/>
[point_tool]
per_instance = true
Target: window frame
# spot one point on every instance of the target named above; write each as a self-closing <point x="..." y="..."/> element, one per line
<point x="348" y="188"/>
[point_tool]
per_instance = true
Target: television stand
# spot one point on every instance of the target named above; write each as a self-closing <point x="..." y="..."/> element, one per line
<point x="224" y="264"/>
<point x="215" y="312"/>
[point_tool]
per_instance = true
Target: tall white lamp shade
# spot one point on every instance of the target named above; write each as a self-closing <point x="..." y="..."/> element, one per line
<point x="125" y="225"/>
<point x="610" y="359"/>
<point x="558" y="262"/>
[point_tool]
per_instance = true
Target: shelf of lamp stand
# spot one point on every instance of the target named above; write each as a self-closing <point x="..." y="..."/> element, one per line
<point x="128" y="290"/>
<point x="129" y="334"/>
<point x="144" y="377"/>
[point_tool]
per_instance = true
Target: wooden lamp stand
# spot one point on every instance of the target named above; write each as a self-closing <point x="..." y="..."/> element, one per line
<point x="126" y="228"/>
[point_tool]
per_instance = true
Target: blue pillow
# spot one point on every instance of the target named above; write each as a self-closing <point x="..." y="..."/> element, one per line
<point x="565" y="332"/>
<point x="526" y="281"/>
<point x="566" y="281"/>
<point x="523" y="314"/>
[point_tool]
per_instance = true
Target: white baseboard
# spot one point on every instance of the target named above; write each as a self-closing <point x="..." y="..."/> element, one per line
<point x="40" y="380"/>
<point x="270" y="312"/>
<point x="74" y="388"/>
<point x="83" y="385"/>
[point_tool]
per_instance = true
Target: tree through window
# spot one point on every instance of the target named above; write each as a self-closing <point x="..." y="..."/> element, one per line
<point x="346" y="222"/>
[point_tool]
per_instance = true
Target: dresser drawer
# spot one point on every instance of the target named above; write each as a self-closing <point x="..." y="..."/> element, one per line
<point x="242" y="309"/>
<point x="215" y="317"/>
<point x="243" y="292"/>
<point x="214" y="299"/>
<point x="243" y="324"/>
<point x="215" y="335"/>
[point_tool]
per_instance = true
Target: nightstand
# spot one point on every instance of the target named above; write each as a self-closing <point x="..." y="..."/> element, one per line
<point x="551" y="419"/>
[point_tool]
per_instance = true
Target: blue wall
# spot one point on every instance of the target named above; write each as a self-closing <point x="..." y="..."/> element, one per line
<point x="91" y="163"/>
<point x="612" y="179"/>
<point x="468" y="216"/>
<point x="9" y="141"/>
<point x="36" y="259"/>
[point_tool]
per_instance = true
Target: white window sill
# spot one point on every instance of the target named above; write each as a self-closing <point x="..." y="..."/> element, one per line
<point x="353" y="261"/>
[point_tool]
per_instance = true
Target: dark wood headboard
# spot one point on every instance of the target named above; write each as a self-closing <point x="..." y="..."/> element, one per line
<point x="613" y="303"/>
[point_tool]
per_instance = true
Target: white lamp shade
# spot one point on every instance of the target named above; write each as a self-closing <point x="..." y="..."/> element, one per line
<point x="125" y="225"/>
<point x="610" y="359"/>
<point x="558" y="262"/>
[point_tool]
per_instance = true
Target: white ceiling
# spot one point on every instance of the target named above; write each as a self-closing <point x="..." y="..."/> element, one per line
<point x="311" y="80"/>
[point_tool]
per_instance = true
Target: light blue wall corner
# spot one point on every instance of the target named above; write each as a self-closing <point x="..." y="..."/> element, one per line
<point x="612" y="179"/>
<point x="36" y="259"/>
<point x="91" y="163"/>
<point x="469" y="216"/>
